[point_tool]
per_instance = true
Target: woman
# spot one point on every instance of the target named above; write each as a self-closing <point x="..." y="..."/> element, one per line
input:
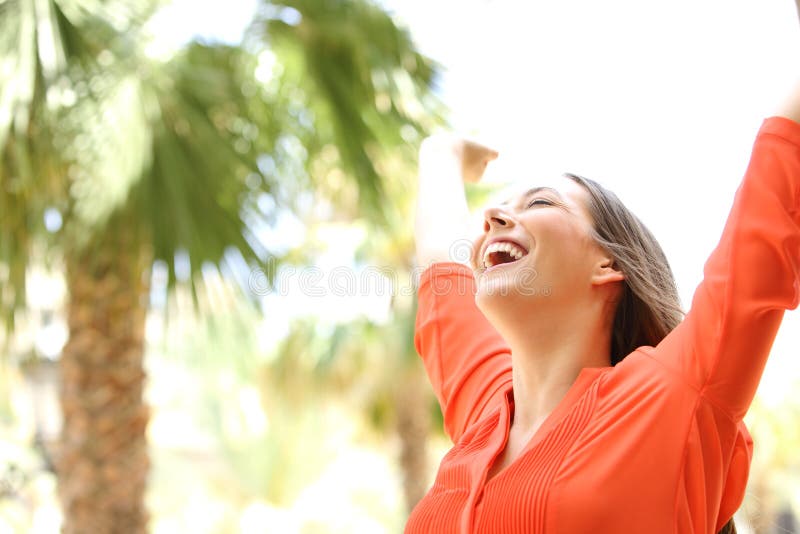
<point x="578" y="398"/>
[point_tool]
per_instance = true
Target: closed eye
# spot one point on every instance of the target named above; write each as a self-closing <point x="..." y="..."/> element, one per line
<point x="541" y="201"/>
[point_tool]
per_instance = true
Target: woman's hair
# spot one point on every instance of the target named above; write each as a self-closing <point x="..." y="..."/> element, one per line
<point x="649" y="307"/>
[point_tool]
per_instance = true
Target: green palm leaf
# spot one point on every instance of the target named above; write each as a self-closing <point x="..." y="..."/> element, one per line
<point x="186" y="160"/>
<point x="370" y="89"/>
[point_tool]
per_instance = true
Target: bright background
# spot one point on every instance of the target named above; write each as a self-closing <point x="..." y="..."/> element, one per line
<point x="660" y="102"/>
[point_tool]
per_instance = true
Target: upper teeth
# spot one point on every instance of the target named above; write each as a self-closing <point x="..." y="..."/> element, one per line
<point x="502" y="246"/>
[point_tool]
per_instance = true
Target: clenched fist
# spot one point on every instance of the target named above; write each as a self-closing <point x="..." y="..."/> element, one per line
<point x="445" y="149"/>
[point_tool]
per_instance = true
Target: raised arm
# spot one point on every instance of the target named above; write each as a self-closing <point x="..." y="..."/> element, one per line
<point x="467" y="361"/>
<point x="442" y="217"/>
<point x="791" y="107"/>
<point x="750" y="279"/>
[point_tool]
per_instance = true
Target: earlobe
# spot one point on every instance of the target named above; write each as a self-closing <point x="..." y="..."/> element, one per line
<point x="606" y="272"/>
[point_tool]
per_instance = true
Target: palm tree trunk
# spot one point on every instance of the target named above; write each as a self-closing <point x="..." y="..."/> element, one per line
<point x="761" y="518"/>
<point x="102" y="459"/>
<point x="413" y="425"/>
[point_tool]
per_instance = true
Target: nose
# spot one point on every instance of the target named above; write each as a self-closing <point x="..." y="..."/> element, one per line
<point x="496" y="218"/>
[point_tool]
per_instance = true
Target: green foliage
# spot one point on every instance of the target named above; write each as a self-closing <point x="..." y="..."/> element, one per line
<point x="271" y="425"/>
<point x="50" y="53"/>
<point x="196" y="156"/>
<point x="204" y="158"/>
<point x="776" y="434"/>
<point x="188" y="150"/>
<point x="366" y="86"/>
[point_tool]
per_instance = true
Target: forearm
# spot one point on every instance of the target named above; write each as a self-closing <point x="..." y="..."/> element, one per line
<point x="791" y="106"/>
<point x="442" y="216"/>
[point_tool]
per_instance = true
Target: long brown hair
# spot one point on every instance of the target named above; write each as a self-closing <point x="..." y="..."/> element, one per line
<point x="649" y="307"/>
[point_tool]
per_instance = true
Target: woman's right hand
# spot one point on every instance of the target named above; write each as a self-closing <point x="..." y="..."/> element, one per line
<point x="471" y="157"/>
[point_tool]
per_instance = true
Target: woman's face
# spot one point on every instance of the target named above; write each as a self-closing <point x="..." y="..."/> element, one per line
<point x="538" y="244"/>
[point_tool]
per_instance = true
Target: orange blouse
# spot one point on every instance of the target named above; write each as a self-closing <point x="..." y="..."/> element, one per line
<point x="655" y="444"/>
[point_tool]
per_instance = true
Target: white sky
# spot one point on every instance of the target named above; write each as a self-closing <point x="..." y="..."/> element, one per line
<point x="659" y="101"/>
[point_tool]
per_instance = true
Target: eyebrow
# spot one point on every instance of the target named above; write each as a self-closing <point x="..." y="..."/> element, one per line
<point x="534" y="190"/>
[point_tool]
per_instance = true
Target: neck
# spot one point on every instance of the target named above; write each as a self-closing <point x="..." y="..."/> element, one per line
<point x="548" y="351"/>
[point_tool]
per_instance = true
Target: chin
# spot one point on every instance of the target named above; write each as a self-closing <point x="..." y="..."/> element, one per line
<point x="503" y="299"/>
<point x="507" y="281"/>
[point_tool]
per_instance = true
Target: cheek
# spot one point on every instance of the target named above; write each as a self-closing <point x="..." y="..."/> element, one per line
<point x="565" y="248"/>
<point x="562" y="234"/>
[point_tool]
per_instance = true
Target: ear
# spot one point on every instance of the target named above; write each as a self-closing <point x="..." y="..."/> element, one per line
<point x="605" y="271"/>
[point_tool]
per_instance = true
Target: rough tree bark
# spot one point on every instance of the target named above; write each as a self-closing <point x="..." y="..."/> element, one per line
<point x="102" y="460"/>
<point x="413" y="426"/>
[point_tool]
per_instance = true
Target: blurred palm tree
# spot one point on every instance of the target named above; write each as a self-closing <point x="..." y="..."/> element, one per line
<point x="771" y="495"/>
<point x="114" y="159"/>
<point x="374" y="363"/>
<point x="373" y="367"/>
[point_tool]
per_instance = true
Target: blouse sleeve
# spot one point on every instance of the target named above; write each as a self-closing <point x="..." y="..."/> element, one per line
<point x="749" y="280"/>
<point x="467" y="361"/>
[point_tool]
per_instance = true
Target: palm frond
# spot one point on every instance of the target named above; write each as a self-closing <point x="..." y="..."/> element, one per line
<point x="50" y="51"/>
<point x="186" y="150"/>
<point x="204" y="159"/>
<point x="369" y="89"/>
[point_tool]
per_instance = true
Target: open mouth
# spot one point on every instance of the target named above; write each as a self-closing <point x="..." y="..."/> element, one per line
<point x="502" y="252"/>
